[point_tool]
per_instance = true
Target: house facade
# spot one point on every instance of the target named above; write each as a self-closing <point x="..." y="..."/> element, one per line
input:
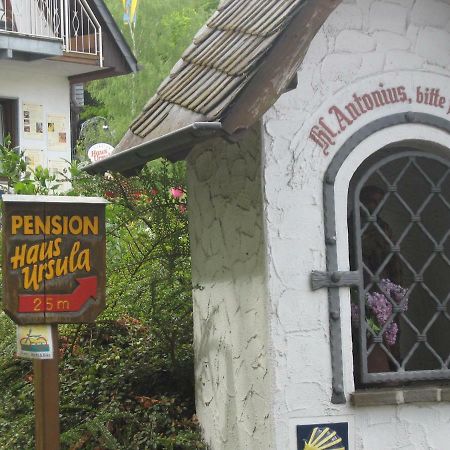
<point x="48" y="50"/>
<point x="319" y="208"/>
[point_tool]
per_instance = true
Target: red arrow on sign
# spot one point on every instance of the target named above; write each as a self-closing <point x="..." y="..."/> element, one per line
<point x="39" y="303"/>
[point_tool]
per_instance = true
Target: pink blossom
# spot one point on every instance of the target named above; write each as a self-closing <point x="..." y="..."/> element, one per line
<point x="182" y="208"/>
<point x="177" y="192"/>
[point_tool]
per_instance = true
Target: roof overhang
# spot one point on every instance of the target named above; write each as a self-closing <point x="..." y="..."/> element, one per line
<point x="118" y="58"/>
<point x="110" y="23"/>
<point x="172" y="146"/>
<point x="258" y="93"/>
<point x="28" y="48"/>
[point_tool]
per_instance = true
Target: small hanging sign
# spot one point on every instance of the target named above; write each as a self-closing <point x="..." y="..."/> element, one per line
<point x="35" y="341"/>
<point x="100" y="151"/>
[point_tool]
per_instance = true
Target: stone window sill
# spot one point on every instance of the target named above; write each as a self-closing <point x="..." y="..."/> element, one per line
<point x="400" y="395"/>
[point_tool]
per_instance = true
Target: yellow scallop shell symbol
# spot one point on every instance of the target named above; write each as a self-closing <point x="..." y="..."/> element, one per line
<point x="323" y="439"/>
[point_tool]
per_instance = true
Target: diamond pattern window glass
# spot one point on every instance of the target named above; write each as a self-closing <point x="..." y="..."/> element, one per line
<point x="399" y="236"/>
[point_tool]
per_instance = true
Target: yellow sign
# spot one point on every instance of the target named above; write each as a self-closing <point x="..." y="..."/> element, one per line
<point x="54" y="258"/>
<point x="324" y="438"/>
<point x="44" y="260"/>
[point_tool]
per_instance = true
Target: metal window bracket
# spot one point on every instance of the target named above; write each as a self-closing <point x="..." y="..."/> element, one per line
<point x="333" y="279"/>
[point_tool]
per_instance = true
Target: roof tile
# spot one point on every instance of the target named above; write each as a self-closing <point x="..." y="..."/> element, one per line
<point x="222" y="59"/>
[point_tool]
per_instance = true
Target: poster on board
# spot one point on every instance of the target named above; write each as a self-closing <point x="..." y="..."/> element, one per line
<point x="56" y="132"/>
<point x="33" y="158"/>
<point x="33" y="121"/>
<point x="58" y="168"/>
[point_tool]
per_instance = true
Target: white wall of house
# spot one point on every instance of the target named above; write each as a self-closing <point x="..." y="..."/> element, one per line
<point x="233" y="380"/>
<point x="42" y="88"/>
<point x="364" y="46"/>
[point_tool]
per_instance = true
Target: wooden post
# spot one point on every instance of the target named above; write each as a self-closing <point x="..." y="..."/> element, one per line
<point x="76" y="229"/>
<point x="46" y="398"/>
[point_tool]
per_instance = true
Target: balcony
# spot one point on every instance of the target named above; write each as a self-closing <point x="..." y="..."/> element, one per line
<point x="35" y="29"/>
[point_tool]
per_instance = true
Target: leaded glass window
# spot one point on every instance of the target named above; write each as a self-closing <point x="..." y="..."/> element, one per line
<point x="399" y="236"/>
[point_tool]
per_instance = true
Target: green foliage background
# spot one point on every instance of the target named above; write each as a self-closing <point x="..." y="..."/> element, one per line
<point x="127" y="380"/>
<point x="163" y="31"/>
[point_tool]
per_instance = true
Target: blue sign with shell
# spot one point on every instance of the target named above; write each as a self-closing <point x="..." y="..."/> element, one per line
<point x="321" y="436"/>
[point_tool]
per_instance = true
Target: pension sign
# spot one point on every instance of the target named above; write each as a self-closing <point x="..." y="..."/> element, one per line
<point x="53" y="258"/>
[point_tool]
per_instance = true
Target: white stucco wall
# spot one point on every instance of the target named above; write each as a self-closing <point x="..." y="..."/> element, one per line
<point x="19" y="81"/>
<point x="230" y="301"/>
<point x="398" y="44"/>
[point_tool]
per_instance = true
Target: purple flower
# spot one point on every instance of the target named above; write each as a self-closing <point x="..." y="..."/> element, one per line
<point x="390" y="334"/>
<point x="379" y="310"/>
<point x="394" y="292"/>
<point x="380" y="306"/>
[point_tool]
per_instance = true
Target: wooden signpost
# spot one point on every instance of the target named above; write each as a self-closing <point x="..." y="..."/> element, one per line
<point x="53" y="272"/>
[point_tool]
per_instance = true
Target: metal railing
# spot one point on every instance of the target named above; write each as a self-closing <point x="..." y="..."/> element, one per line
<point x="71" y="21"/>
<point x="82" y="32"/>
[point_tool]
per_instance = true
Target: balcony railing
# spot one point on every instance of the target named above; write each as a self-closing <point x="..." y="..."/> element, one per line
<point x="71" y="21"/>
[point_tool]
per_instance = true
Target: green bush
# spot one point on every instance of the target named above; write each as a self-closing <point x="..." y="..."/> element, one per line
<point x="117" y="391"/>
<point x="127" y="380"/>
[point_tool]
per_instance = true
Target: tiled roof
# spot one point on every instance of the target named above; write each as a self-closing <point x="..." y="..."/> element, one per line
<point x="220" y="62"/>
<point x="239" y="63"/>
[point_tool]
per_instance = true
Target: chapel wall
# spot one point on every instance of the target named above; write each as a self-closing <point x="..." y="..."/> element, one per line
<point x="228" y="274"/>
<point x="378" y="49"/>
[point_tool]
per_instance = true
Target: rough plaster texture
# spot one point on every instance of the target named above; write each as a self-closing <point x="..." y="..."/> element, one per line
<point x="19" y="81"/>
<point x="230" y="319"/>
<point x="261" y="335"/>
<point x="363" y="43"/>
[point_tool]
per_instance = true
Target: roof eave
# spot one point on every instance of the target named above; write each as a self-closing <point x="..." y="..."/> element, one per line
<point x="288" y="52"/>
<point x="132" y="160"/>
<point x="258" y="94"/>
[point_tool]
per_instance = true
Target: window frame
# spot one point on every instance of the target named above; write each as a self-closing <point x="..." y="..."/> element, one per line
<point x="363" y="355"/>
<point x="10" y="118"/>
<point x="334" y="301"/>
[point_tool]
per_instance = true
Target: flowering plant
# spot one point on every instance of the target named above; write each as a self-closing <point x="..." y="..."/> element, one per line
<point x="379" y="307"/>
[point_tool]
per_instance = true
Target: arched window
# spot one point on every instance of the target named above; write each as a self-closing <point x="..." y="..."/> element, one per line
<point x="399" y="243"/>
<point x="391" y="181"/>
